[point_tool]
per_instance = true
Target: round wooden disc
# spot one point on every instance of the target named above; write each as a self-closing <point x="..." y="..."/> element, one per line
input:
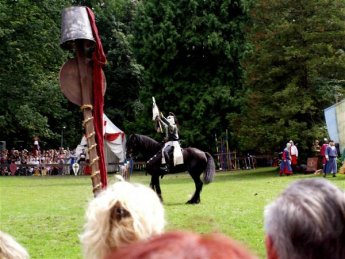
<point x="70" y="82"/>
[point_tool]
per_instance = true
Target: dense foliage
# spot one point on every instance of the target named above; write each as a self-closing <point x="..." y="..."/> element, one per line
<point x="263" y="70"/>
<point x="191" y="53"/>
<point x="123" y="73"/>
<point x="294" y="71"/>
<point x="31" y="102"/>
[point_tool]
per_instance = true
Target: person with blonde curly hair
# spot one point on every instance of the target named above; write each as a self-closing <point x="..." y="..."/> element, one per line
<point x="121" y="214"/>
<point x="10" y="248"/>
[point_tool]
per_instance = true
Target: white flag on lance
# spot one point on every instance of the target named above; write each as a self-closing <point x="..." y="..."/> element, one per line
<point x="155" y="114"/>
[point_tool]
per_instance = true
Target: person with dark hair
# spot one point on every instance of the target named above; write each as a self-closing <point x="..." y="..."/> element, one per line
<point x="182" y="245"/>
<point x="306" y="221"/>
<point x="285" y="164"/>
<point x="172" y="144"/>
<point x="331" y="155"/>
<point x="36" y="147"/>
<point x="323" y="153"/>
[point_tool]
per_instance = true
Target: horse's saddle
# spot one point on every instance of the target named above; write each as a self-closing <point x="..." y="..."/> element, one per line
<point x="176" y="154"/>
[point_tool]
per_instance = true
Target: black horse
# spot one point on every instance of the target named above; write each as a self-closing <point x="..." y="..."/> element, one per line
<point x="195" y="162"/>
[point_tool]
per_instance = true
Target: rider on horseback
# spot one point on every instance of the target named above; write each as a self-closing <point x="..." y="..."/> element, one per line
<point x="171" y="142"/>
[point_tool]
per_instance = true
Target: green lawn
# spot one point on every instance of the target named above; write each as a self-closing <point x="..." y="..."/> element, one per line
<point x="46" y="214"/>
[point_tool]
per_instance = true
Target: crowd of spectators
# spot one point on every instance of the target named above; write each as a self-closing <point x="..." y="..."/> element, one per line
<point x="39" y="162"/>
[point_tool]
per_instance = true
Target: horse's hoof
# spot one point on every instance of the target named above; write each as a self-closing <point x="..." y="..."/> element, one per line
<point x="193" y="202"/>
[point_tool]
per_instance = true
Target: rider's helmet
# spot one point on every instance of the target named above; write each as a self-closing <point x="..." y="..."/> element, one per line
<point x="172" y="118"/>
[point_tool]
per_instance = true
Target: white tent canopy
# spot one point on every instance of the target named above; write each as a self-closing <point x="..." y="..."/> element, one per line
<point x="335" y="121"/>
<point x="114" y="145"/>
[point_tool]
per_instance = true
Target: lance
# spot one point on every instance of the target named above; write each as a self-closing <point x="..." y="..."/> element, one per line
<point x="81" y="80"/>
<point x="155" y="113"/>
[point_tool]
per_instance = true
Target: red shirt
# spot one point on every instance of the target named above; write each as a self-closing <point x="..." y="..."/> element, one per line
<point x="323" y="149"/>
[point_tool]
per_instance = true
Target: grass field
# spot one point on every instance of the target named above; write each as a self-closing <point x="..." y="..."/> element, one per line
<point x="46" y="214"/>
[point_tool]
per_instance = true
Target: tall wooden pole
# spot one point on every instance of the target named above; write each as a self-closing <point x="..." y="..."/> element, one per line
<point x="79" y="34"/>
<point x="85" y="77"/>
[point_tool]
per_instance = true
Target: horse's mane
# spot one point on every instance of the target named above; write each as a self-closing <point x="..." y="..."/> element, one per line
<point x="149" y="142"/>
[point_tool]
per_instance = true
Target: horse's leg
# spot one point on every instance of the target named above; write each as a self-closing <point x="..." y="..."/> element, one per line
<point x="156" y="186"/>
<point x="152" y="184"/>
<point x="152" y="167"/>
<point x="198" y="187"/>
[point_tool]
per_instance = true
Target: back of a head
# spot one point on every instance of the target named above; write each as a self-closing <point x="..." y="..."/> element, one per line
<point x="308" y="221"/>
<point x="183" y="245"/>
<point x="121" y="214"/>
<point x="10" y="249"/>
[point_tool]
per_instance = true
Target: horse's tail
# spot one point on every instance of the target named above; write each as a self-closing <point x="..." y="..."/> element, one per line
<point x="210" y="169"/>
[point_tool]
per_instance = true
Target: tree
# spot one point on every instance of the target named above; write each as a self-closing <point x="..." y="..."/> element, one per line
<point x="295" y="68"/>
<point x="32" y="103"/>
<point x="123" y="73"/>
<point x="190" y="51"/>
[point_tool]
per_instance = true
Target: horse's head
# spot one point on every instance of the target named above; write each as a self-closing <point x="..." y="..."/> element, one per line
<point x="132" y="148"/>
<point x="143" y="145"/>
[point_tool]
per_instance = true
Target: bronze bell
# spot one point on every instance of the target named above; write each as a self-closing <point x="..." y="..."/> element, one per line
<point x="75" y="25"/>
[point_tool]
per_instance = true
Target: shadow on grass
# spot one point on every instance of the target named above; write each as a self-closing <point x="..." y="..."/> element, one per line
<point x="259" y="173"/>
<point x="268" y="172"/>
<point x="45" y="181"/>
<point x="177" y="204"/>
